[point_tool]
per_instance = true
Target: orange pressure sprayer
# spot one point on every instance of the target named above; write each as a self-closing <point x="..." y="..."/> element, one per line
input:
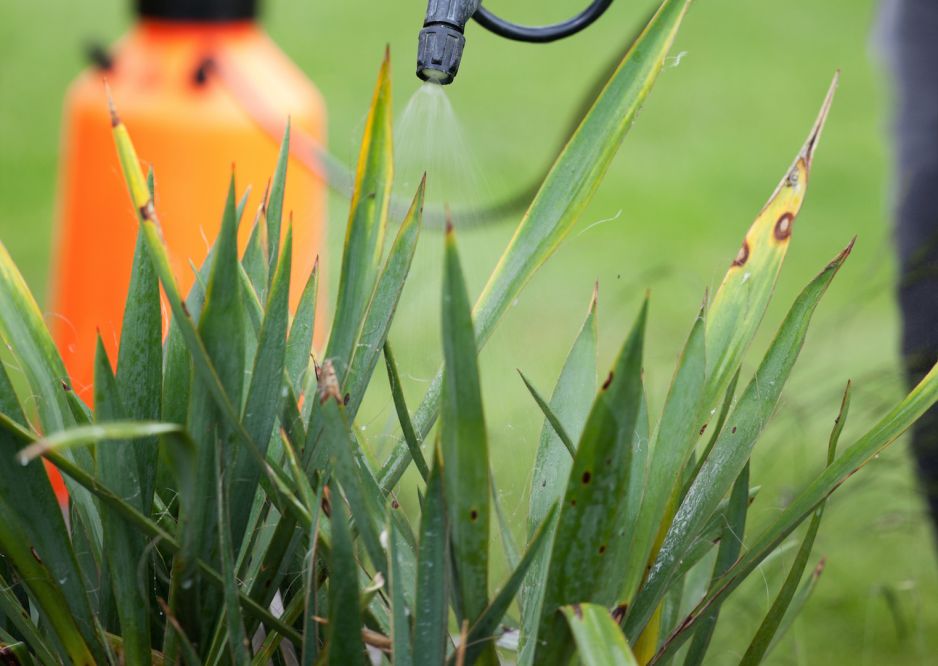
<point x="201" y="87"/>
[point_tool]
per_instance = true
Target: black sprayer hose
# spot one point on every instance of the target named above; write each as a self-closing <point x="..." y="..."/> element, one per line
<point x="541" y="34"/>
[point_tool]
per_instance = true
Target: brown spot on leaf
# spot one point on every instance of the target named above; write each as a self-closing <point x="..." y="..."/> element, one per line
<point x="577" y="611"/>
<point x="587" y="476"/>
<point x="346" y="398"/>
<point x="473" y="515"/>
<point x="602" y="549"/>
<point x="395" y="504"/>
<point x="608" y="381"/>
<point x="733" y="430"/>
<point x="703" y="428"/>
<point x="32" y="549"/>
<point x="743" y="255"/>
<point x="65" y="386"/>
<point x="783" y="226"/>
<point x="573" y="502"/>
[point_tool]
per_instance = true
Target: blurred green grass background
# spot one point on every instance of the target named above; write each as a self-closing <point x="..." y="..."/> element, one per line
<point x="718" y="132"/>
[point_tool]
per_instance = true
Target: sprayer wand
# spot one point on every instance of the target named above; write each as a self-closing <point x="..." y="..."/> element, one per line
<point x="442" y="39"/>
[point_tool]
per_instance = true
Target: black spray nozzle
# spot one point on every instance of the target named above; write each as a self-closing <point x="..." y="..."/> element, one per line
<point x="442" y="40"/>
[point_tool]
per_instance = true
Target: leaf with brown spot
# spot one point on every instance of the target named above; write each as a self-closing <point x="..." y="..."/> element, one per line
<point x="743" y="296"/>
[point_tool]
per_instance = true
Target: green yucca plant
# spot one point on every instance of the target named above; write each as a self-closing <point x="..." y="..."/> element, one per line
<point x="224" y="510"/>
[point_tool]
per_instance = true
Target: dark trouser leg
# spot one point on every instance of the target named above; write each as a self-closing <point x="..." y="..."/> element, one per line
<point x="913" y="49"/>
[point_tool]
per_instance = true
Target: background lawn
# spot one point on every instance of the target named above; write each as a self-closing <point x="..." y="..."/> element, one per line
<point x="719" y="131"/>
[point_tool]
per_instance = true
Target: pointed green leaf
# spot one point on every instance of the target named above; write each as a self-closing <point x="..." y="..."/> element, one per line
<point x="564" y="195"/>
<point x="300" y="343"/>
<point x="734" y="446"/>
<point x="674" y="441"/>
<point x="485" y="628"/>
<point x="345" y="624"/>
<point x="116" y="466"/>
<point x="275" y="202"/>
<point x="551" y="418"/>
<point x="265" y="393"/>
<point x="570" y="402"/>
<point x="464" y="445"/>
<point x="731" y="543"/>
<point x="140" y="364"/>
<point x="384" y="302"/>
<point x="254" y="260"/>
<point x="431" y="615"/>
<point x="400" y="616"/>
<point x="596" y="488"/>
<point x="744" y="294"/>
<point x="364" y="236"/>
<point x="238" y="644"/>
<point x="403" y="415"/>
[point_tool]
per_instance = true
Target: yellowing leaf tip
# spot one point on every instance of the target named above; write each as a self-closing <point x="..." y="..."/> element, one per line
<point x="810" y="145"/>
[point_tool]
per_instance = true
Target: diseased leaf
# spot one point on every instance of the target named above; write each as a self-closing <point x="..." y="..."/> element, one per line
<point x="734" y="446"/>
<point x="571" y="401"/>
<point x="464" y="444"/>
<point x="744" y="294"/>
<point x="597" y="487"/>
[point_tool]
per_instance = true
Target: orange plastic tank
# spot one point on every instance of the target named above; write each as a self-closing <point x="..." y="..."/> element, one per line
<point x="200" y="87"/>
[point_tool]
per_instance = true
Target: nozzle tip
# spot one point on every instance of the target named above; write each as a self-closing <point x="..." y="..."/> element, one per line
<point x="439" y="53"/>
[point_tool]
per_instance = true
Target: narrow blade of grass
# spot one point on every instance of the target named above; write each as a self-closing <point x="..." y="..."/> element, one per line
<point x="403" y="415"/>
<point x="769" y="629"/>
